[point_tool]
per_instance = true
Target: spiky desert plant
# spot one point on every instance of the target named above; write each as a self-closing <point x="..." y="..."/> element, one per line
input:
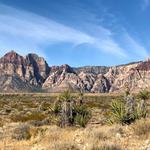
<point x="71" y="112"/>
<point x="144" y="94"/>
<point x="80" y="97"/>
<point x="65" y="96"/>
<point x="82" y="116"/>
<point x="66" y="108"/>
<point x="129" y="110"/>
<point x="118" y="113"/>
<point x="142" y="110"/>
<point x="56" y="107"/>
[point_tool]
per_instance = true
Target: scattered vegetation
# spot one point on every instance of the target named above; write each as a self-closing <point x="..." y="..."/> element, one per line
<point x="72" y="110"/>
<point x="82" y="115"/>
<point x="31" y="122"/>
<point x="128" y="110"/>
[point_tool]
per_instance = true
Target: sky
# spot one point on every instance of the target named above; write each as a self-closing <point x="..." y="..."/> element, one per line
<point x="77" y="32"/>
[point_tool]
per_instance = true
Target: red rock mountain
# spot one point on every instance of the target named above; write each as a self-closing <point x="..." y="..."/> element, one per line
<point x="32" y="73"/>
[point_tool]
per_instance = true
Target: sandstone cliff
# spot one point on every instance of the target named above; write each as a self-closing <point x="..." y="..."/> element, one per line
<point x="32" y="73"/>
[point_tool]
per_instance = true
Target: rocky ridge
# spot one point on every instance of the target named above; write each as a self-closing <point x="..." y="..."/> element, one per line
<point x="32" y="73"/>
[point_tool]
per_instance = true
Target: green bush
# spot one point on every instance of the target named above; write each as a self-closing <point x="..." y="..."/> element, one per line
<point x="118" y="113"/>
<point x="71" y="112"/>
<point x="57" y="107"/>
<point x="82" y="115"/>
<point x="65" y="96"/>
<point x="129" y="110"/>
<point x="144" y="94"/>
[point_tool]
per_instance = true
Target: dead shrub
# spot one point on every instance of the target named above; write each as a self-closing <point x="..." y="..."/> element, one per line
<point x="22" y="132"/>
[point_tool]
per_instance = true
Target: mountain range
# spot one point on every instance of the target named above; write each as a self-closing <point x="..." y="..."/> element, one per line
<point x="33" y="74"/>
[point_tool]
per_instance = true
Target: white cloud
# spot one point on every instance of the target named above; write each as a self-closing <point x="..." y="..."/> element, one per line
<point x="134" y="47"/>
<point x="21" y="30"/>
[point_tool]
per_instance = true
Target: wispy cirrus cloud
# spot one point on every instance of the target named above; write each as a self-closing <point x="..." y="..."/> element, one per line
<point x="25" y="31"/>
<point x="134" y="47"/>
<point x="22" y="31"/>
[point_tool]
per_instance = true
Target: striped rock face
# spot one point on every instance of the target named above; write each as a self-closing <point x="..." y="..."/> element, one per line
<point x="32" y="73"/>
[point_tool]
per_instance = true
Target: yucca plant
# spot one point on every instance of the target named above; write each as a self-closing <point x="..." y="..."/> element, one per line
<point x="144" y="94"/>
<point x="65" y="96"/>
<point x="70" y="111"/>
<point x="80" y="97"/>
<point x="118" y="113"/>
<point x="129" y="110"/>
<point x="82" y="116"/>
<point x="56" y="107"/>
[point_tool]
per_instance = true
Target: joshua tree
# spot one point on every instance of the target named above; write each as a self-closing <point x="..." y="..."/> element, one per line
<point x="67" y="109"/>
<point x="72" y="112"/>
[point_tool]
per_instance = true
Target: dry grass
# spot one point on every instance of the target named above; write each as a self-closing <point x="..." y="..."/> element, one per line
<point x="51" y="137"/>
<point x="96" y="137"/>
<point x="27" y="117"/>
<point x="142" y="128"/>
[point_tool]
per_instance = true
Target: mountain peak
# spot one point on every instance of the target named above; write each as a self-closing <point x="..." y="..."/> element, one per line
<point x="11" y="53"/>
<point x="12" y="57"/>
<point x="64" y="67"/>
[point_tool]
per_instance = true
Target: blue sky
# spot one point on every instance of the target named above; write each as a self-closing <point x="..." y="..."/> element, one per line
<point x="77" y="32"/>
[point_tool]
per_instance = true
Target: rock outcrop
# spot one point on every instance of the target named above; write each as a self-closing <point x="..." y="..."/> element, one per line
<point x="23" y="73"/>
<point x="32" y="73"/>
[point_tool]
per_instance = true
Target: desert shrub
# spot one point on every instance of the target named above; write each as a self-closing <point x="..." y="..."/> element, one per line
<point x="118" y="113"/>
<point x="70" y="111"/>
<point x="22" y="132"/>
<point x="27" y="117"/>
<point x="57" y="106"/>
<point x="45" y="106"/>
<point x="129" y="110"/>
<point x="106" y="146"/>
<point x="142" y="128"/>
<point x="144" y="94"/>
<point x="38" y="123"/>
<point x="82" y="115"/>
<point x="65" y="96"/>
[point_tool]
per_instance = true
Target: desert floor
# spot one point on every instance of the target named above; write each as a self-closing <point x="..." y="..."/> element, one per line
<point x="26" y="124"/>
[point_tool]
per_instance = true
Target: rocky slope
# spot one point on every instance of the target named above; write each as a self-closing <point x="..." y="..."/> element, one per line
<point x="32" y="73"/>
<point x="18" y="73"/>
